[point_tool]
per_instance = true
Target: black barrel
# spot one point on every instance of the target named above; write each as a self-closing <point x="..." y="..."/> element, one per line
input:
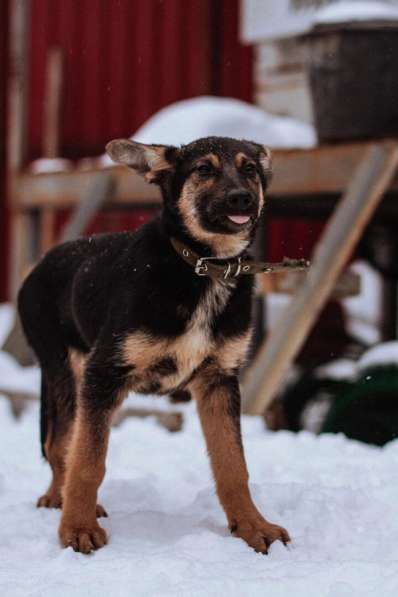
<point x="353" y="74"/>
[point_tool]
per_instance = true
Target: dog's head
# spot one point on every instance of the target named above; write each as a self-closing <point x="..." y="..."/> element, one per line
<point x="214" y="187"/>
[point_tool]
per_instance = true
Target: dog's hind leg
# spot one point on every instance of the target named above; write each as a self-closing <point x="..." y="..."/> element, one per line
<point x="57" y="416"/>
<point x="44" y="332"/>
<point x="45" y="335"/>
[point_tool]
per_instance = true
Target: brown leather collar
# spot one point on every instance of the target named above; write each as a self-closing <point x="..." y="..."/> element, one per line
<point x="217" y="268"/>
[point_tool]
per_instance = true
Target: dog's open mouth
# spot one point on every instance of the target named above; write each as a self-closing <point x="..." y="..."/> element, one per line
<point x="239" y="219"/>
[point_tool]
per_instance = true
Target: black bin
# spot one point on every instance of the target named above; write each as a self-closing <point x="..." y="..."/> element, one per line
<point x="353" y="74"/>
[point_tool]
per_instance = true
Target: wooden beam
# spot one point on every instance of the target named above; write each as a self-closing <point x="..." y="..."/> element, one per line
<point x="348" y="284"/>
<point x="52" y="103"/>
<point x="102" y="190"/>
<point x="345" y="227"/>
<point x="66" y="189"/>
<point x="322" y="170"/>
<point x="17" y="86"/>
<point x="16" y="129"/>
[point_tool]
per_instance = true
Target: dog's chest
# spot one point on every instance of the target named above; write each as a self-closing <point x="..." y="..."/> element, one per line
<point x="162" y="364"/>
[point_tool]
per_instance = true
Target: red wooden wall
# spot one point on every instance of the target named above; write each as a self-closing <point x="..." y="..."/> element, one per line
<point x="124" y="60"/>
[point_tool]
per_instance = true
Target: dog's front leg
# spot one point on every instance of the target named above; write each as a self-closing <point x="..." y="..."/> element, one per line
<point x="85" y="464"/>
<point x="218" y="400"/>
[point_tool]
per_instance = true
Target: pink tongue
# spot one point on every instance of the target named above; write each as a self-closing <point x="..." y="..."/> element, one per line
<point x="239" y="219"/>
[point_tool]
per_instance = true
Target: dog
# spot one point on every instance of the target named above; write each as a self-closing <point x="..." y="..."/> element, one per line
<point x="163" y="310"/>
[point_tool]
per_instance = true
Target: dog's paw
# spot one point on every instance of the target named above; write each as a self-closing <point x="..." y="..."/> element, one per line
<point x="258" y="533"/>
<point x="85" y="539"/>
<point x="49" y="500"/>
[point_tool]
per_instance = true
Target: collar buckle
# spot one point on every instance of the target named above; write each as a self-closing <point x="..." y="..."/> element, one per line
<point x="201" y="268"/>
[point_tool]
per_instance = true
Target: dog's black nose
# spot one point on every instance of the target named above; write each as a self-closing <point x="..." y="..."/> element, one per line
<point x="239" y="200"/>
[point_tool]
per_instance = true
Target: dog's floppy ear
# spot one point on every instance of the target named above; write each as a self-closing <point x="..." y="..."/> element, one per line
<point x="151" y="161"/>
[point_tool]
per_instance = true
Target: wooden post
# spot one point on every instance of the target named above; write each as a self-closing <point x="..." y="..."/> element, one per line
<point x="16" y="131"/>
<point x="51" y="137"/>
<point x="98" y="193"/>
<point x="52" y="102"/>
<point x="345" y="227"/>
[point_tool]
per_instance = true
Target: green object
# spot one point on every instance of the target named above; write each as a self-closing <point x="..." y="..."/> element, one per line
<point x="367" y="409"/>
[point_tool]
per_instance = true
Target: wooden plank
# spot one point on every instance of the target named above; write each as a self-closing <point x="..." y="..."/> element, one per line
<point x="100" y="191"/>
<point x="344" y="229"/>
<point x="46" y="229"/>
<point x="16" y="130"/>
<point x="52" y="103"/>
<point x="66" y="189"/>
<point x="17" y="85"/>
<point x="23" y="247"/>
<point x="348" y="284"/>
<point x="322" y="170"/>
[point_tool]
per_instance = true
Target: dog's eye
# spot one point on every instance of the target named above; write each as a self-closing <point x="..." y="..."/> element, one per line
<point x="204" y="169"/>
<point x="249" y="169"/>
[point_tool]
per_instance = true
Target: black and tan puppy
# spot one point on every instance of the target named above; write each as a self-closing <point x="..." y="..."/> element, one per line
<point x="130" y="311"/>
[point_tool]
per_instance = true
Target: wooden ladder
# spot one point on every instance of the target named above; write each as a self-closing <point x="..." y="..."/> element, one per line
<point x="345" y="227"/>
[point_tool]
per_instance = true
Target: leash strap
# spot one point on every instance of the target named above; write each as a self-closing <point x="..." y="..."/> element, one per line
<point x="217" y="268"/>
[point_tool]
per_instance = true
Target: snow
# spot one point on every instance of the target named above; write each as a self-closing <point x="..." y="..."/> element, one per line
<point x="338" y="369"/>
<point x="383" y="354"/>
<point x="277" y="19"/>
<point x="167" y="531"/>
<point x="363" y="312"/>
<point x="7" y="314"/>
<point x="49" y="165"/>
<point x="187" y="120"/>
<point x="345" y="12"/>
<point x="168" y="534"/>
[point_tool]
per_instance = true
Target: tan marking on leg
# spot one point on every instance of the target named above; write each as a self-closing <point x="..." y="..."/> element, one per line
<point x="85" y="470"/>
<point x="222" y="433"/>
<point x="77" y="361"/>
<point x="233" y="351"/>
<point x="55" y="448"/>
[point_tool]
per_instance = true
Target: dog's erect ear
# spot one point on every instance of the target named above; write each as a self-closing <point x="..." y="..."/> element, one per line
<point x="266" y="160"/>
<point x="151" y="161"/>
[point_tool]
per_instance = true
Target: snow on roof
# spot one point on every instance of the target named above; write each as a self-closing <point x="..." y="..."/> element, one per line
<point x="343" y="12"/>
<point x="187" y="120"/>
<point x="277" y="19"/>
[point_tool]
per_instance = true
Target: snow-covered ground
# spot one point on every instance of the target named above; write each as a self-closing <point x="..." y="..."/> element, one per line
<point x="168" y="534"/>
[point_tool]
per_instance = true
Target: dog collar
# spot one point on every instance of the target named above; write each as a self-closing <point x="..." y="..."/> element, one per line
<point x="218" y="268"/>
